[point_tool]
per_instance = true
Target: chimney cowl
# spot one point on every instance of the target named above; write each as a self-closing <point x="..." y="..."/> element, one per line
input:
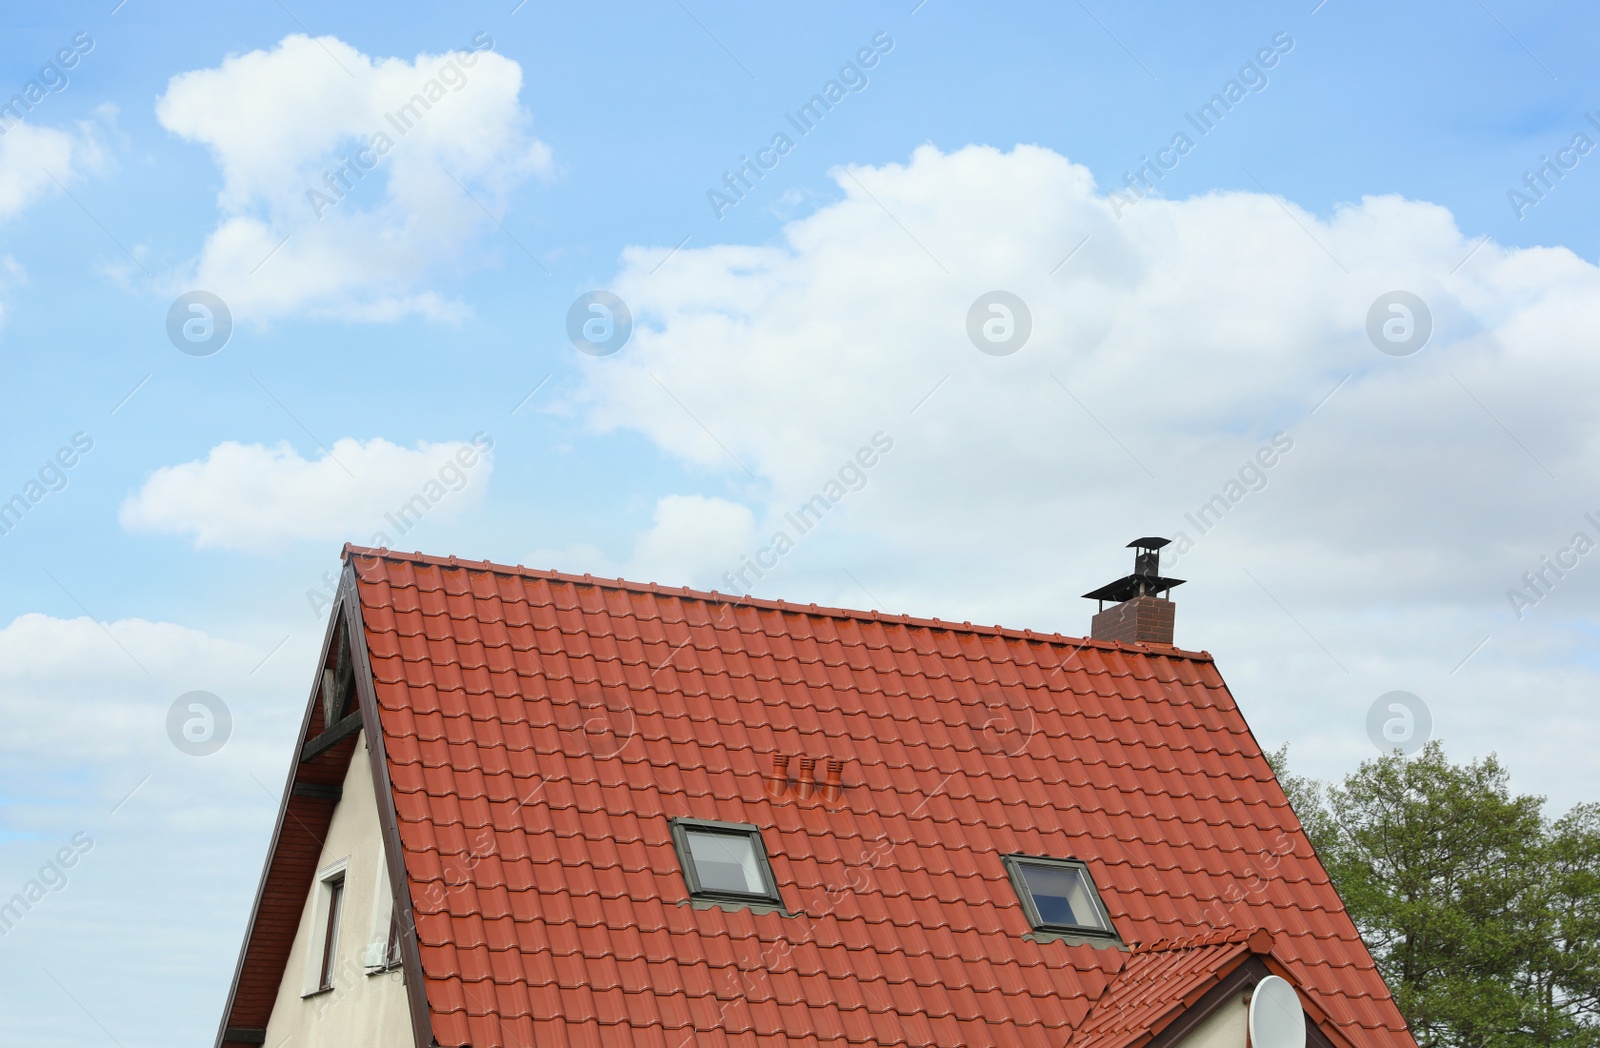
<point x="1141" y="614"/>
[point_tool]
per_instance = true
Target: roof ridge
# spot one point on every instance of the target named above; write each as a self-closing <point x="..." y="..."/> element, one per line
<point x="1260" y="940"/>
<point x="351" y="550"/>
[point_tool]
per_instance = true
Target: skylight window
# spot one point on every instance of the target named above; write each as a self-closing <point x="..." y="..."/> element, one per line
<point x="724" y="861"/>
<point x="1059" y="896"/>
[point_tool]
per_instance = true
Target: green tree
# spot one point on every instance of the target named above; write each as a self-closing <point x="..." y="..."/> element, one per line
<point x="1483" y="917"/>
<point x="1569" y="988"/>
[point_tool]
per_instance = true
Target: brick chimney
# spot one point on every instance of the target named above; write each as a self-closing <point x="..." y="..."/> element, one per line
<point x="1141" y="615"/>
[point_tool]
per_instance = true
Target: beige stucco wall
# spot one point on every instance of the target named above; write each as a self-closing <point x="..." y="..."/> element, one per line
<point x="361" y="1010"/>
<point x="1224" y="1028"/>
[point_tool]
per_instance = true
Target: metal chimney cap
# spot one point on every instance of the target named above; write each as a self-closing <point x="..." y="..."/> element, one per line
<point x="1146" y="579"/>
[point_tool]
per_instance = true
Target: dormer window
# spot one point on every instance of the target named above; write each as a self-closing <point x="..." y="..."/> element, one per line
<point x="1059" y="896"/>
<point x="724" y="862"/>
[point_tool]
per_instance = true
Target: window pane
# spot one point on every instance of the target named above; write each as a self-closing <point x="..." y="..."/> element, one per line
<point x="392" y="958"/>
<point x="726" y="862"/>
<point x="1062" y="896"/>
<point x="330" y="942"/>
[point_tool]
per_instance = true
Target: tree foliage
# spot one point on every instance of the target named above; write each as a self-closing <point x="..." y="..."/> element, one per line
<point x="1482" y="915"/>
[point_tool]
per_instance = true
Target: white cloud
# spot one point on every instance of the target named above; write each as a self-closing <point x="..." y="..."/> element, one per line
<point x="252" y="497"/>
<point x="282" y="125"/>
<point x="692" y="538"/>
<point x="99" y="692"/>
<point x="1170" y="347"/>
<point x="89" y="758"/>
<point x="88" y="709"/>
<point x="33" y="159"/>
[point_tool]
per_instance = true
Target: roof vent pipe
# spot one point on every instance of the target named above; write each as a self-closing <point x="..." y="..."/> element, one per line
<point x="778" y="781"/>
<point x="808" y="778"/>
<point x="833" y="789"/>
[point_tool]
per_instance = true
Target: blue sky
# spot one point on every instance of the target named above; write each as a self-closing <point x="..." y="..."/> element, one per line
<point x="770" y="341"/>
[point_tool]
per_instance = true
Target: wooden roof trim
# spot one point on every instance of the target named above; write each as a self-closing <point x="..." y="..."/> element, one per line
<point x="1317" y="1019"/>
<point x="338" y="741"/>
<point x="388" y="819"/>
<point x="1234" y="977"/>
<point x="227" y="1033"/>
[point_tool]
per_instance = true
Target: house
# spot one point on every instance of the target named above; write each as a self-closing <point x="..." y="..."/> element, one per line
<point x="533" y="809"/>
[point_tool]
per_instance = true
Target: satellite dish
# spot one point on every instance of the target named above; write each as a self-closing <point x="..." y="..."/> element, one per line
<point x="1276" y="1019"/>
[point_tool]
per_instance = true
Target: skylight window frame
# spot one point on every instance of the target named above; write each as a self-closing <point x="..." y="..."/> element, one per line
<point x="1106" y="934"/>
<point x="681" y="828"/>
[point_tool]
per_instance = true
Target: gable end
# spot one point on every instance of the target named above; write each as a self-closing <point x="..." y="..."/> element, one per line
<point x="341" y="690"/>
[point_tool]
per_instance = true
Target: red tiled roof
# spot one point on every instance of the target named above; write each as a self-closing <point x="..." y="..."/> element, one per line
<point x="541" y="729"/>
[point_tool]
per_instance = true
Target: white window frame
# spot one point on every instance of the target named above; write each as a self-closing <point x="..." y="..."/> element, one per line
<point x="317" y="940"/>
